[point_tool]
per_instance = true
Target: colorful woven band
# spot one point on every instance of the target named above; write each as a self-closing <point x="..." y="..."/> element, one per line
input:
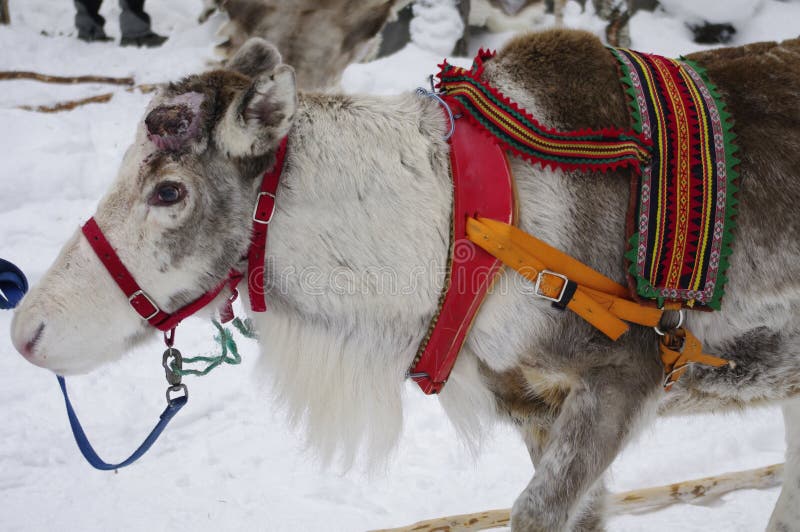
<point x="681" y="228"/>
<point x="519" y="132"/>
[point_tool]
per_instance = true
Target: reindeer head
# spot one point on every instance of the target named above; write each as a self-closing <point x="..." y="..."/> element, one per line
<point x="318" y="38"/>
<point x="178" y="214"/>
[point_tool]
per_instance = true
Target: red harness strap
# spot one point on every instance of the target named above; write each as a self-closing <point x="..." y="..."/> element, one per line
<point x="482" y="186"/>
<point x="262" y="216"/>
<point x="138" y="298"/>
<point x="147" y="308"/>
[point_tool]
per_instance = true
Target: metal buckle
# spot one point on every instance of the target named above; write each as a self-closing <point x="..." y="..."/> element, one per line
<point x="537" y="288"/>
<point x="141" y="293"/>
<point x="258" y="202"/>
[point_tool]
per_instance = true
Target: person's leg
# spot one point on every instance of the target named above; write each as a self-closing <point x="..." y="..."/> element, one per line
<point x="133" y="21"/>
<point x="88" y="20"/>
<point x="135" y="25"/>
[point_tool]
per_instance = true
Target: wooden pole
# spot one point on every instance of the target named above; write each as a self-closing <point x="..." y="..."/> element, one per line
<point x="66" y="80"/>
<point x="69" y="105"/>
<point x="690" y="491"/>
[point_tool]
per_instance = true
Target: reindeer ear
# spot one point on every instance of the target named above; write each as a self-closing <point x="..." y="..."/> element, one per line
<point x="260" y="116"/>
<point x="255" y="57"/>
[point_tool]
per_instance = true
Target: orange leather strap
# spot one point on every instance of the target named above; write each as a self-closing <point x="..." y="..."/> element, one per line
<point x="596" y="298"/>
<point x="593" y="296"/>
<point x="679" y="349"/>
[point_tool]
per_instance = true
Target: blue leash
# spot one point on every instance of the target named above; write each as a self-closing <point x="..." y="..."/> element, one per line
<point x="173" y="406"/>
<point x="13" y="285"/>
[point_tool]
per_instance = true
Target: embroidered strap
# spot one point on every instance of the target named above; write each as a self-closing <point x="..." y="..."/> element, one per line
<point x="519" y="132"/>
<point x="681" y="224"/>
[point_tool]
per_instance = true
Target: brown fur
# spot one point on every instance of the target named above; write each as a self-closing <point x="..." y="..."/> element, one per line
<point x="578" y="90"/>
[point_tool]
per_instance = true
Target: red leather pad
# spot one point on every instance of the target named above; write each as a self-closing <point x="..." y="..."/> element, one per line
<point x="482" y="186"/>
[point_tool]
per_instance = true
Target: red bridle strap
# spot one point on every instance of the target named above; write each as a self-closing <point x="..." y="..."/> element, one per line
<point x="262" y="216"/>
<point x="147" y="308"/>
<point x="143" y="304"/>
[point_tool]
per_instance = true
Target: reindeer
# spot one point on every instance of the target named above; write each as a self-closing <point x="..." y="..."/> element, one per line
<point x="320" y="39"/>
<point x="366" y="185"/>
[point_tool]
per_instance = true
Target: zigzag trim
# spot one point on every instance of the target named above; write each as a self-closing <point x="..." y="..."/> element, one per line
<point x="518" y="132"/>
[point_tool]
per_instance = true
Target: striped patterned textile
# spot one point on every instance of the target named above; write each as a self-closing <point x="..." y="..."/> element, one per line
<point x="681" y="154"/>
<point x="682" y="222"/>
<point x="521" y="134"/>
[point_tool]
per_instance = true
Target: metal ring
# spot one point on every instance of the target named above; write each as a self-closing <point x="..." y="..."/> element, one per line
<point x="681" y="319"/>
<point x="432" y="94"/>
<point x="177" y="388"/>
<point x="169" y="337"/>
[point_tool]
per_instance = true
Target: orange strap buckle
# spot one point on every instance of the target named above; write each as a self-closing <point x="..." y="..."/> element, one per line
<point x="680" y="349"/>
<point x="568" y="283"/>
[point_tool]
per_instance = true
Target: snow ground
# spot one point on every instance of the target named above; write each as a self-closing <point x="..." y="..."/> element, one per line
<point x="229" y="461"/>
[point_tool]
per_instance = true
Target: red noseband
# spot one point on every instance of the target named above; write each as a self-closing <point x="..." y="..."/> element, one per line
<point x="146" y="307"/>
<point x="138" y="298"/>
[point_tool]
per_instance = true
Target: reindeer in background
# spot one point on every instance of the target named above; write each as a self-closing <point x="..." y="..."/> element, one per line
<point x="320" y="38"/>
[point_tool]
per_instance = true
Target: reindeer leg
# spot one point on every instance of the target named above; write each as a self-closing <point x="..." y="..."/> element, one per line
<point x="786" y="515"/>
<point x="597" y="416"/>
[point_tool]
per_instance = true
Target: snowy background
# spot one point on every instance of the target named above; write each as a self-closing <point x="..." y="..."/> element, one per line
<point x="229" y="461"/>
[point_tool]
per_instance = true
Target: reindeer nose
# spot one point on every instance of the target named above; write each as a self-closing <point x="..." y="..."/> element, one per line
<point x="25" y="338"/>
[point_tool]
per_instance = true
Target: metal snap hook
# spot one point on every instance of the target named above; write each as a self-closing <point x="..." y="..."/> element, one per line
<point x="172" y="362"/>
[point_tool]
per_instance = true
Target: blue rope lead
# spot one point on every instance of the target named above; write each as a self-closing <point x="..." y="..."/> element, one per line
<point x="88" y="452"/>
<point x="229" y="355"/>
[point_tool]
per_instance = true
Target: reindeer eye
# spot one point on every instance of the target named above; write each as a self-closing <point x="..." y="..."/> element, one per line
<point x="167" y="193"/>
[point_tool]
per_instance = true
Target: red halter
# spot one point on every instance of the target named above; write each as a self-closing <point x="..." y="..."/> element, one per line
<point x="146" y="307"/>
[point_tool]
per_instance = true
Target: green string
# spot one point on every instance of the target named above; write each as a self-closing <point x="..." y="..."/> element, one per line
<point x="245" y="328"/>
<point x="229" y="351"/>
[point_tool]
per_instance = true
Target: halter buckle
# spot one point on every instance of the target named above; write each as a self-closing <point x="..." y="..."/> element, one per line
<point x="264" y="204"/>
<point x="537" y="288"/>
<point x="142" y="294"/>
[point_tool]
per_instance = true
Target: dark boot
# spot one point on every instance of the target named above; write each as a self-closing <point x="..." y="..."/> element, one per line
<point x="151" y="40"/>
<point x="89" y="22"/>
<point x="135" y="25"/>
